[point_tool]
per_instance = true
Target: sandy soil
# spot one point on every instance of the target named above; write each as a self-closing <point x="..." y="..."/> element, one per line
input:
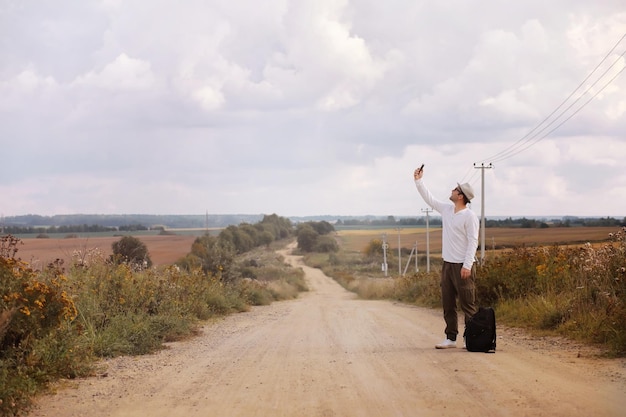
<point x="329" y="354"/>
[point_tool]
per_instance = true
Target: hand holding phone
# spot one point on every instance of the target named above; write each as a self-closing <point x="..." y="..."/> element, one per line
<point x="418" y="172"/>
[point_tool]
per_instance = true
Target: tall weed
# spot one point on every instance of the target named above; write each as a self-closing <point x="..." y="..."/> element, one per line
<point x="576" y="291"/>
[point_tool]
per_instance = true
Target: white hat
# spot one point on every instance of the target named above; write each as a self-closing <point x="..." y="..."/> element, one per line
<point x="467" y="190"/>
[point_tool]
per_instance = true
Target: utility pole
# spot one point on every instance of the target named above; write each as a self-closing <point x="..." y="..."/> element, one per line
<point x="482" y="168"/>
<point x="385" y="246"/>
<point x="399" y="253"/>
<point x="427" y="210"/>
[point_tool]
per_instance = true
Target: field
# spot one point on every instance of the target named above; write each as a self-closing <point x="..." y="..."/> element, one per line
<point x="163" y="249"/>
<point x="495" y="238"/>
<point x="167" y="249"/>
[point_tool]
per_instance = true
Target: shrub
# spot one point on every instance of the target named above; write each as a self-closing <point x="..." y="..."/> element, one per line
<point x="326" y="244"/>
<point x="37" y="342"/>
<point x="214" y="255"/>
<point x="307" y="238"/>
<point x="374" y="249"/>
<point x="131" y="250"/>
<point x="420" y="288"/>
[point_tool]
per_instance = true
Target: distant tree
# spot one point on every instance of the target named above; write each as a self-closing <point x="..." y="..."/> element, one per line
<point x="280" y="227"/>
<point x="253" y="233"/>
<point x="238" y="237"/>
<point x="132" y="227"/>
<point x="322" y="228"/>
<point x="307" y="238"/>
<point x="310" y="240"/>
<point x="131" y="250"/>
<point x="326" y="244"/>
<point x="266" y="238"/>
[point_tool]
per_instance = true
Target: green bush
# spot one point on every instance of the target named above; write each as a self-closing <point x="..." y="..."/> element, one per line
<point x="314" y="237"/>
<point x="326" y="244"/>
<point x="131" y="250"/>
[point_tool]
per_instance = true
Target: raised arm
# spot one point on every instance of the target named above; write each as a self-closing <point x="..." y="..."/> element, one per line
<point x="438" y="205"/>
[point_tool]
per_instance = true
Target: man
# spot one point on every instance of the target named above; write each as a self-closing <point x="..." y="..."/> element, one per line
<point x="459" y="244"/>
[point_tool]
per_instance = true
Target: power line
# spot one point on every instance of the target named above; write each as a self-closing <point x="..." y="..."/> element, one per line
<point x="528" y="145"/>
<point x="535" y="134"/>
<point x="532" y="138"/>
<point x="536" y="138"/>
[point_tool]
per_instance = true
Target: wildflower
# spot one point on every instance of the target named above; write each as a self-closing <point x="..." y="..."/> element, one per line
<point x="541" y="269"/>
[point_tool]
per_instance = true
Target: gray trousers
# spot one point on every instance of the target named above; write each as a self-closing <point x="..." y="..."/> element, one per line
<point x="453" y="287"/>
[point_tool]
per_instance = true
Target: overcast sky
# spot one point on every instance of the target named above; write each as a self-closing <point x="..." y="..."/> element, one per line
<point x="311" y="107"/>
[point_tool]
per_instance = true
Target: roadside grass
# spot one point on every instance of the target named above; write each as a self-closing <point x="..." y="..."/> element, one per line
<point x="56" y="323"/>
<point x="572" y="290"/>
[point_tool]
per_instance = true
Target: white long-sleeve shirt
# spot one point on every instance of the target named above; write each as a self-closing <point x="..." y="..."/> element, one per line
<point x="460" y="229"/>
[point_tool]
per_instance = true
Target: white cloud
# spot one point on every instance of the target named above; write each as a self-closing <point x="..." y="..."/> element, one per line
<point x="209" y="98"/>
<point x="26" y="85"/>
<point x="308" y="107"/>
<point x="28" y="82"/>
<point x="123" y="74"/>
<point x="593" y="151"/>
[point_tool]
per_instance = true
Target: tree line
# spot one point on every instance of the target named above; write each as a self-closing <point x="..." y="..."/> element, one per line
<point x="78" y="228"/>
<point x="216" y="255"/>
<point x="116" y="220"/>
<point x="388" y="221"/>
<point x="111" y="223"/>
<point x="81" y="228"/>
<point x="523" y="222"/>
<point x="563" y="222"/>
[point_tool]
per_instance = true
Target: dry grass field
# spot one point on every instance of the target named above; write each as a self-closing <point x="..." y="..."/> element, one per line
<point x="357" y="240"/>
<point x="163" y="250"/>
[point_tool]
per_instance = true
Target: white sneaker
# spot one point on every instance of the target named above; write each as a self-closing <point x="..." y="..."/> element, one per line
<point x="446" y="344"/>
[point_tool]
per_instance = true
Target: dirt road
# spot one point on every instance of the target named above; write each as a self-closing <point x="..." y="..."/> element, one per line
<point x="329" y="354"/>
